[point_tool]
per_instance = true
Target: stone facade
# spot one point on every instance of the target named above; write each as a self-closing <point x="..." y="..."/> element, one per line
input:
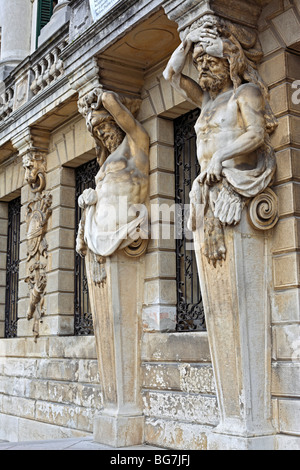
<point x="51" y="388"/>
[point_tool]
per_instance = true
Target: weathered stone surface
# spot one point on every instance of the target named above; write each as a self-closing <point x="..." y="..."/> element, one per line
<point x="176" y="435"/>
<point x="181" y="376"/>
<point x="181" y="406"/>
<point x="185" y="347"/>
<point x="53" y="381"/>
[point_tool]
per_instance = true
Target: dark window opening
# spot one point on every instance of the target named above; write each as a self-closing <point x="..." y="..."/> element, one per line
<point x="12" y="268"/>
<point x="83" y="322"/>
<point x="190" y="311"/>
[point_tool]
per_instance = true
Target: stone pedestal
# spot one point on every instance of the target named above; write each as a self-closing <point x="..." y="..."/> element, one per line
<point x="116" y="302"/>
<point x="236" y="301"/>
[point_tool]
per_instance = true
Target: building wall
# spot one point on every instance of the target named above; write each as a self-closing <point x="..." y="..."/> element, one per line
<point x="51" y="389"/>
<point x="48" y="390"/>
<point x="278" y="29"/>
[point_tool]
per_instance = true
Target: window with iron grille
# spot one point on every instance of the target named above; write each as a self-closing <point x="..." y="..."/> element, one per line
<point x="83" y="322"/>
<point x="12" y="268"/>
<point x="190" y="311"/>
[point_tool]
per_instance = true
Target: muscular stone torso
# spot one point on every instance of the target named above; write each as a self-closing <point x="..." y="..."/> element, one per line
<point x="119" y="184"/>
<point x="220" y="123"/>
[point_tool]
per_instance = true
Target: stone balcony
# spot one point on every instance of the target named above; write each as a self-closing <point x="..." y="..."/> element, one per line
<point x="37" y="73"/>
<point x="42" y="90"/>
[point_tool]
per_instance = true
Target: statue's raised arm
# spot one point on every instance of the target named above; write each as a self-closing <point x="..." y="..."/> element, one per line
<point x="204" y="39"/>
<point x="137" y="136"/>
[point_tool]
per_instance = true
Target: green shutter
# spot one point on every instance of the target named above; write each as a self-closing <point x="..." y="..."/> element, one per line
<point x="45" y="10"/>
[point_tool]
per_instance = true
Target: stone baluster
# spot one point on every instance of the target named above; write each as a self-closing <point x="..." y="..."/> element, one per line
<point x="47" y="75"/>
<point x="6" y="106"/>
<point x="59" y="63"/>
<point x="34" y="86"/>
<point x="54" y="71"/>
<point x="48" y="69"/>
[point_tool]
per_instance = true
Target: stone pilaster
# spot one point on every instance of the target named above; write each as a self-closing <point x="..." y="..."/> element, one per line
<point x="116" y="305"/>
<point x="32" y="145"/>
<point x="279" y="28"/>
<point x="159" y="310"/>
<point x="237" y="311"/>
<point x="59" y="299"/>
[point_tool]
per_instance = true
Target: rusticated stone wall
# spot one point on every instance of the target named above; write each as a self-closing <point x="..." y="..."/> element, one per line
<point x="179" y="395"/>
<point x="279" y="27"/>
<point x="49" y="389"/>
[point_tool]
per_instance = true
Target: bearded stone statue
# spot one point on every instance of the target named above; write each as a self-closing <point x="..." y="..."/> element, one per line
<point x="233" y="147"/>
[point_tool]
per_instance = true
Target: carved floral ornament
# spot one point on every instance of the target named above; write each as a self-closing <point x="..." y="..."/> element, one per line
<point x="233" y="144"/>
<point x="37" y="214"/>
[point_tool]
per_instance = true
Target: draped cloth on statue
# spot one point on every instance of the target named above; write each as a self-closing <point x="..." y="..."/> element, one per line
<point x="105" y="237"/>
<point x="250" y="182"/>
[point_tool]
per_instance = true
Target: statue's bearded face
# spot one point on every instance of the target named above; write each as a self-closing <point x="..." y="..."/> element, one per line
<point x="110" y="135"/>
<point x="213" y="72"/>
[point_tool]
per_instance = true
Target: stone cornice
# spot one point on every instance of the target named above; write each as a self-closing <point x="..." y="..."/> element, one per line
<point x="31" y="139"/>
<point x="32" y="111"/>
<point x="186" y="12"/>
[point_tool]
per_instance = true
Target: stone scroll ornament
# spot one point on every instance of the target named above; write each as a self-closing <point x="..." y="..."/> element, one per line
<point x="233" y="130"/>
<point x="37" y="215"/>
<point x="115" y="216"/>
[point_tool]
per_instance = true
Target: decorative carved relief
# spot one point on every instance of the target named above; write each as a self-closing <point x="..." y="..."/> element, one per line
<point x="21" y="91"/>
<point x="233" y="145"/>
<point x="37" y="215"/>
<point x="34" y="165"/>
<point x="38" y="212"/>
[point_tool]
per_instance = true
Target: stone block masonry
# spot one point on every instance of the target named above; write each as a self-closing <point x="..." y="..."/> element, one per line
<point x="49" y="389"/>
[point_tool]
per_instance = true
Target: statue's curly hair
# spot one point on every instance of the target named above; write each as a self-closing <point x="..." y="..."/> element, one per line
<point x="243" y="52"/>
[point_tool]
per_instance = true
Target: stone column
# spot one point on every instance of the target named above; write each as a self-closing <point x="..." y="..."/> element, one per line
<point x="116" y="305"/>
<point x="15" y="42"/>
